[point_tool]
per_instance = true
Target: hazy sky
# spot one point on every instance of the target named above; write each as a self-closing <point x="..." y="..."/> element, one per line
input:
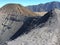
<point x="25" y="2"/>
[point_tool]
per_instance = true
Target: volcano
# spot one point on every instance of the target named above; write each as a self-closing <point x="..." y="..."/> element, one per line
<point x="20" y="25"/>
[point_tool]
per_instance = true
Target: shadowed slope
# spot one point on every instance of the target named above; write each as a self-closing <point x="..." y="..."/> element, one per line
<point x="34" y="22"/>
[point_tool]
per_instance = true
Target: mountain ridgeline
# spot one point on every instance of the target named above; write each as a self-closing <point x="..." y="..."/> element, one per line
<point x="44" y="7"/>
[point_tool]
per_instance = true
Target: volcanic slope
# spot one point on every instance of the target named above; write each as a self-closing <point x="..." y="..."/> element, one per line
<point x="48" y="34"/>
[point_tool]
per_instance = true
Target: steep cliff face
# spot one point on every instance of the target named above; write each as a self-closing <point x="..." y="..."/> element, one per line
<point x="48" y="34"/>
